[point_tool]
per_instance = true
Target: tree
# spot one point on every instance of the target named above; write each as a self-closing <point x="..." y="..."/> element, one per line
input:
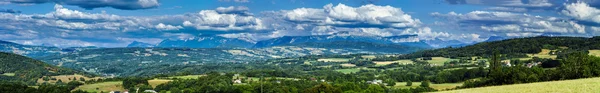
<point x="82" y="79"/>
<point x="175" y="90"/>
<point x="390" y="82"/>
<point x="425" y="83"/>
<point x="408" y="83"/>
<point x="323" y="88"/>
<point x="59" y="82"/>
<point x="374" y="89"/>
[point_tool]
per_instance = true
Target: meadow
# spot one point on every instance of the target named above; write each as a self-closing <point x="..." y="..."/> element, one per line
<point x="588" y="85"/>
<point x="595" y="52"/>
<point x="102" y="87"/>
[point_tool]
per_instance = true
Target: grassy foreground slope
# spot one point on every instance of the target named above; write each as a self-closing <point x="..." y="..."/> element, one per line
<point x="566" y="86"/>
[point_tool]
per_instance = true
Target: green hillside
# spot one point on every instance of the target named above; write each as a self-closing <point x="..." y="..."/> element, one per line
<point x="15" y="67"/>
<point x="567" y="86"/>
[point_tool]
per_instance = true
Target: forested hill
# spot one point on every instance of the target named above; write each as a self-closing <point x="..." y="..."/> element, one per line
<point x="15" y="67"/>
<point x="530" y="45"/>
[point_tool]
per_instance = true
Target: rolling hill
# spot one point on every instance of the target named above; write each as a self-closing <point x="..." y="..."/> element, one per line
<point x="566" y="86"/>
<point x="530" y="45"/>
<point x="15" y="67"/>
<point x="134" y="61"/>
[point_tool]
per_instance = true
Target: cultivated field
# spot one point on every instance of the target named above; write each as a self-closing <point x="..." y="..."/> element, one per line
<point x="544" y="54"/>
<point x="156" y="82"/>
<point x="439" y="60"/>
<point x="595" y="53"/>
<point x="382" y="63"/>
<point x="348" y="65"/>
<point x="333" y="60"/>
<point x="102" y="87"/>
<point x="187" y="77"/>
<point x="590" y="85"/>
<point x="65" y="78"/>
<point x="435" y="86"/>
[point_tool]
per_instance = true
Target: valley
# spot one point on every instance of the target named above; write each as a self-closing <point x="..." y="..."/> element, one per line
<point x="295" y="68"/>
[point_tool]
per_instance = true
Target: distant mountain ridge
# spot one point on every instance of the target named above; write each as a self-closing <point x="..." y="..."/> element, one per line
<point x="36" y="51"/>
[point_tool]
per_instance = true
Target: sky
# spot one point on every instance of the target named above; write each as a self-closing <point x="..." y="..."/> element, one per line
<point x="117" y="23"/>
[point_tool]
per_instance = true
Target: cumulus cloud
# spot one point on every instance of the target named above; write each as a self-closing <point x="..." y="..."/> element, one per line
<point x="213" y="20"/>
<point x="90" y="4"/>
<point x="505" y="22"/>
<point x="63" y="23"/>
<point x="363" y="16"/>
<point x="582" y="11"/>
<point x="162" y="26"/>
<point x="240" y="10"/>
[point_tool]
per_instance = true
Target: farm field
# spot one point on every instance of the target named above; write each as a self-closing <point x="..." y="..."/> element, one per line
<point x="435" y="86"/>
<point x="439" y="61"/>
<point x="348" y="65"/>
<point x="102" y="87"/>
<point x="351" y="70"/>
<point x="65" y="78"/>
<point x="156" y="82"/>
<point x="187" y="77"/>
<point x="595" y="52"/>
<point x="8" y="74"/>
<point x="334" y="60"/>
<point x="566" y="86"/>
<point x="544" y="54"/>
<point x="382" y="63"/>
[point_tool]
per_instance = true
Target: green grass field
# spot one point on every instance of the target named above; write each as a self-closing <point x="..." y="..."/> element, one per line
<point x="595" y="53"/>
<point x="156" y="82"/>
<point x="435" y="86"/>
<point x="9" y="74"/>
<point x="590" y="85"/>
<point x="187" y="77"/>
<point x="333" y="60"/>
<point x="104" y="86"/>
<point x="439" y="60"/>
<point x="347" y="71"/>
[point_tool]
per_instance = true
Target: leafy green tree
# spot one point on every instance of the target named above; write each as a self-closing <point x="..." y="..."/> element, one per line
<point x="425" y="83"/>
<point x="323" y="88"/>
<point x="374" y="89"/>
<point x="409" y="83"/>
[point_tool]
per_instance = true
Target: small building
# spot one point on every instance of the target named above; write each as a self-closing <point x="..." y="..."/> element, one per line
<point x="150" y="91"/>
<point x="237" y="81"/>
<point x="376" y="81"/>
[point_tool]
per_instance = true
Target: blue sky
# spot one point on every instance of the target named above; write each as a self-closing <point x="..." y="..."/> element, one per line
<point x="116" y="23"/>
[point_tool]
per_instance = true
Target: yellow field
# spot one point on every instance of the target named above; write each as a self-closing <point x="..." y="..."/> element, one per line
<point x="435" y="86"/>
<point x="381" y="63"/>
<point x="544" y="54"/>
<point x="333" y="60"/>
<point x="595" y="53"/>
<point x="187" y="77"/>
<point x="65" y="78"/>
<point x="368" y="56"/>
<point x="105" y="87"/>
<point x="590" y="85"/>
<point x="9" y="74"/>
<point x="348" y="65"/>
<point x="156" y="82"/>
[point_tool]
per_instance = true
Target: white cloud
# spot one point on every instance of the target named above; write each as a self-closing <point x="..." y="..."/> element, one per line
<point x="582" y="11"/>
<point x="212" y="20"/>
<point x="363" y="16"/>
<point x="162" y="26"/>
<point x="510" y="22"/>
